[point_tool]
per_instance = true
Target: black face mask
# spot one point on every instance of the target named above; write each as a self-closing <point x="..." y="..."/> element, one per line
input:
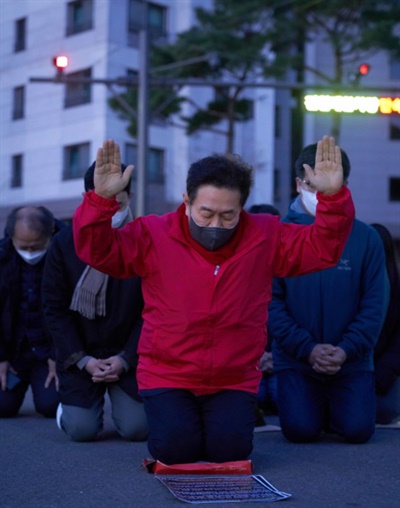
<point x="210" y="238"/>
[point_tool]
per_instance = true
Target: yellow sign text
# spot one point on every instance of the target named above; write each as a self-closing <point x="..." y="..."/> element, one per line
<point x="352" y="104"/>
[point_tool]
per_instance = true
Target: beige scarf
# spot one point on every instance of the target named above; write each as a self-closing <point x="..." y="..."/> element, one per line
<point x="89" y="298"/>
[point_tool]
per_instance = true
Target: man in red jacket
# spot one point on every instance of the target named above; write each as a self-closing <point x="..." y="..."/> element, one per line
<point x="206" y="274"/>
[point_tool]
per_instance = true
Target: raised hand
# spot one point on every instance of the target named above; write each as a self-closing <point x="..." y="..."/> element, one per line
<point x="327" y="175"/>
<point x="108" y="177"/>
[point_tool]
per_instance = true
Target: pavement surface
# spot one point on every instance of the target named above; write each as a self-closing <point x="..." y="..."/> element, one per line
<point x="41" y="468"/>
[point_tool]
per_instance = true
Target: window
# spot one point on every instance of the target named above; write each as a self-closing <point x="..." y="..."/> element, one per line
<point x="16" y="171"/>
<point x="18" y="102"/>
<point x="155" y="165"/>
<point x="76" y="161"/>
<point x="394" y="128"/>
<point x="278" y="121"/>
<point x="394" y="188"/>
<point x="277" y="185"/>
<point x="78" y="93"/>
<point x="20" y="35"/>
<point x="156" y="20"/>
<point x="394" y="69"/>
<point x="135" y="15"/>
<point x="79" y="16"/>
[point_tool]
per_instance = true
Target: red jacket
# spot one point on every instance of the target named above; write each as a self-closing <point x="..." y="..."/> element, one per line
<point x="204" y="324"/>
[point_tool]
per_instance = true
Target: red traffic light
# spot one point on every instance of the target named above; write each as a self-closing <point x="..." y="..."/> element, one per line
<point x="61" y="62"/>
<point x="364" y="69"/>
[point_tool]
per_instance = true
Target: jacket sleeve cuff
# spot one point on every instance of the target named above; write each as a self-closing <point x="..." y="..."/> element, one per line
<point x="341" y="193"/>
<point x="73" y="359"/>
<point x="81" y="364"/>
<point x="123" y="361"/>
<point x="99" y="200"/>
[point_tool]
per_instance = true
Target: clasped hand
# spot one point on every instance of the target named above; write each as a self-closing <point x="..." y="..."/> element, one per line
<point x="106" y="370"/>
<point x="266" y="363"/>
<point x="327" y="359"/>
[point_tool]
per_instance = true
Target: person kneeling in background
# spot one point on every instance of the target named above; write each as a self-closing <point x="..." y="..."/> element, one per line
<point x="95" y="323"/>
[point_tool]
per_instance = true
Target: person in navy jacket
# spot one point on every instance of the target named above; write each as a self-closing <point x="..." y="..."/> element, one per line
<point x="324" y="326"/>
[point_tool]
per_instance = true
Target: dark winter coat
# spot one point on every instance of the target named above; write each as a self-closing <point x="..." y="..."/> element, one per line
<point x="387" y="350"/>
<point x="22" y="326"/>
<point x="75" y="336"/>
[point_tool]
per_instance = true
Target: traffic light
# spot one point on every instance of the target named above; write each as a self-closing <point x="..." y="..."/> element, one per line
<point x="60" y="62"/>
<point x="355" y="76"/>
<point x="363" y="69"/>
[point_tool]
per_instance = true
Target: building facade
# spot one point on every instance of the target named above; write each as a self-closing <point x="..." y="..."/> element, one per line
<point x="50" y="132"/>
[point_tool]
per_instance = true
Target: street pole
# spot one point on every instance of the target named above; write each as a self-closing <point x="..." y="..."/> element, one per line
<point x="143" y="118"/>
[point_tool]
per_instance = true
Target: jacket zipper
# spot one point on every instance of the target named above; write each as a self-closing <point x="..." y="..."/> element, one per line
<point x="216" y="269"/>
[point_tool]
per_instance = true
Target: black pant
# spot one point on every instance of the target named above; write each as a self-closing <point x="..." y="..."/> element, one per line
<point x="187" y="428"/>
<point x="33" y="372"/>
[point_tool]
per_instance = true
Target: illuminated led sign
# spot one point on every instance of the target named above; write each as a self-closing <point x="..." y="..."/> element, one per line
<point x="352" y="104"/>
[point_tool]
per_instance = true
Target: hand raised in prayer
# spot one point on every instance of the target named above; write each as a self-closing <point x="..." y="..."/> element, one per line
<point x="327" y="175"/>
<point x="109" y="180"/>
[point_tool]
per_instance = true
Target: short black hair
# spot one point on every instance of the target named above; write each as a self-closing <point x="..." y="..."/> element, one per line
<point x="89" y="178"/>
<point x="307" y="156"/>
<point x="264" y="208"/>
<point x="222" y="171"/>
<point x="38" y="218"/>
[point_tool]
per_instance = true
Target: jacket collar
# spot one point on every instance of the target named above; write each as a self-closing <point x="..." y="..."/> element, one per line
<point x="297" y="213"/>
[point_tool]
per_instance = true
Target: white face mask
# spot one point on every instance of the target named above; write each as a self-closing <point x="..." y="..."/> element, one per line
<point x="118" y="218"/>
<point x="32" y="258"/>
<point x="309" y="200"/>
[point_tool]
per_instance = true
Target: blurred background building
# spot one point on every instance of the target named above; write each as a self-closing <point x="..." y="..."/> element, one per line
<point x="50" y="132"/>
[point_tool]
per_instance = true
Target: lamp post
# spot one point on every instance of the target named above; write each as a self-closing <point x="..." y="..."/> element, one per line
<point x="143" y="107"/>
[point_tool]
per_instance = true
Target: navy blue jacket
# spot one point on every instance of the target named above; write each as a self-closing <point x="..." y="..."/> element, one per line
<point x="344" y="306"/>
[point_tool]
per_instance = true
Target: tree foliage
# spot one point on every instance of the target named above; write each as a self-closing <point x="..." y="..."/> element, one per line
<point x="163" y="102"/>
<point x="241" y="43"/>
<point x="253" y="40"/>
<point x="353" y="30"/>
